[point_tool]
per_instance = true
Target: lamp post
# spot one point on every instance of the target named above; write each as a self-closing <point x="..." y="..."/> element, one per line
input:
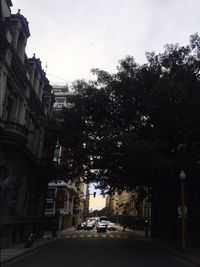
<point x="148" y="216"/>
<point x="183" y="210"/>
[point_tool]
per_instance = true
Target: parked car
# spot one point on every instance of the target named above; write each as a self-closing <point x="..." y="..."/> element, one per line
<point x="101" y="227"/>
<point x="111" y="226"/>
<point x="81" y="226"/>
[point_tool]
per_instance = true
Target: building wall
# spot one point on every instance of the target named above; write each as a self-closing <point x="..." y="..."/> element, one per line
<point x="122" y="203"/>
<point x="82" y="205"/>
<point x="81" y="198"/>
<point x="65" y="204"/>
<point x="68" y="208"/>
<point x="130" y="208"/>
<point x="5" y="8"/>
<point x="23" y="157"/>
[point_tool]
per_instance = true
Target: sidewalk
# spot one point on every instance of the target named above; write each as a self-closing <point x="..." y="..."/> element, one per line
<point x="191" y="254"/>
<point x="17" y="250"/>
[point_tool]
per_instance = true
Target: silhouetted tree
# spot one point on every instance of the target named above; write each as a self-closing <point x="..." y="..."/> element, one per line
<point x="139" y="124"/>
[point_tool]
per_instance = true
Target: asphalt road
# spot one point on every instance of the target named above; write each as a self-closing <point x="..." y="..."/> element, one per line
<point x="91" y="249"/>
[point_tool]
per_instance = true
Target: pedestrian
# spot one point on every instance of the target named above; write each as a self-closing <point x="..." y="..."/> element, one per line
<point x="28" y="240"/>
<point x="54" y="228"/>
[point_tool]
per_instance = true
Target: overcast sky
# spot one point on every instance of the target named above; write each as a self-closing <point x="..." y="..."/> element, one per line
<point x="73" y="36"/>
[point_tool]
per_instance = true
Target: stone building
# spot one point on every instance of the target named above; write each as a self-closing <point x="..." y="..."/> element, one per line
<point x="127" y="206"/>
<point x="25" y="111"/>
<point x="122" y="203"/>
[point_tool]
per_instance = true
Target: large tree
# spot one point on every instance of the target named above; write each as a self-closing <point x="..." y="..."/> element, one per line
<point x="139" y="124"/>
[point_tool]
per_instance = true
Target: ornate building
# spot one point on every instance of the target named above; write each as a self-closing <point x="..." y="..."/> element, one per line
<point x="25" y="111"/>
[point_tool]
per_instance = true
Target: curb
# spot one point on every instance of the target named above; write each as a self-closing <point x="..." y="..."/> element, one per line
<point x="33" y="248"/>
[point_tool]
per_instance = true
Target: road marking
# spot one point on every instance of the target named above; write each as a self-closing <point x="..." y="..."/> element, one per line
<point x="96" y="236"/>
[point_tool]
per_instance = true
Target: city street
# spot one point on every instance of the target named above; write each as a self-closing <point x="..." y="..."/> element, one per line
<point x="92" y="249"/>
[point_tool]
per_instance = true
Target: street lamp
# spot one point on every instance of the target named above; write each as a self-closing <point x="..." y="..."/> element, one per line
<point x="183" y="209"/>
<point x="147" y="205"/>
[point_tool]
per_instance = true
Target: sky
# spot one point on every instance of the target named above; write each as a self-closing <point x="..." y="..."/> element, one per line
<point x="98" y="202"/>
<point x="73" y="36"/>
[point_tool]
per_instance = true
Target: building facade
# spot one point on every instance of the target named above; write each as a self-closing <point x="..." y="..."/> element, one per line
<point x="67" y="204"/>
<point x="25" y="111"/>
<point x="74" y="193"/>
<point x="59" y="210"/>
<point x="82" y="201"/>
<point x="127" y="207"/>
<point x="122" y="203"/>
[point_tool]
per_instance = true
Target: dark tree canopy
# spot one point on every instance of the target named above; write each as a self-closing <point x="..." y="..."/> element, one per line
<point x="139" y="124"/>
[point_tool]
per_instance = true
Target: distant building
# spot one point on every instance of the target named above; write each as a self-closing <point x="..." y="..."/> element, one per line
<point x="82" y="201"/>
<point x="59" y="208"/>
<point x="122" y="203"/>
<point x="127" y="207"/>
<point x="74" y="206"/>
<point x="25" y="112"/>
<point x="62" y="96"/>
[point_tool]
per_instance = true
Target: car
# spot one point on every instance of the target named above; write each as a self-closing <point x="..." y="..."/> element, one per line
<point x="102" y="218"/>
<point x="101" y="227"/>
<point x="89" y="225"/>
<point x="93" y="222"/>
<point x="111" y="226"/>
<point x="105" y="222"/>
<point x="81" y="226"/>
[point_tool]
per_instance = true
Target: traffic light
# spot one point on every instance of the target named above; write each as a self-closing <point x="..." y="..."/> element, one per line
<point x="94" y="194"/>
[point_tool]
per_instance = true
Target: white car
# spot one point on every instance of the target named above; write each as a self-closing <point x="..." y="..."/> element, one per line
<point x="111" y="226"/>
<point x="101" y="227"/>
<point x="105" y="222"/>
<point x="89" y="225"/>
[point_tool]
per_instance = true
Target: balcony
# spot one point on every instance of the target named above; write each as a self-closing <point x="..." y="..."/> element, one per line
<point x="14" y="133"/>
<point x="50" y="212"/>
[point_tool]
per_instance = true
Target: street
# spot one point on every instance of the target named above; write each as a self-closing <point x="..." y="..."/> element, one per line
<point x="92" y="249"/>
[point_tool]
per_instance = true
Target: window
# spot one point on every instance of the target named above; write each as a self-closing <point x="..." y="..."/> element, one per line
<point x="50" y="205"/>
<point x="9" y="109"/>
<point x="51" y="193"/>
<point x="60" y="102"/>
<point x="60" y="99"/>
